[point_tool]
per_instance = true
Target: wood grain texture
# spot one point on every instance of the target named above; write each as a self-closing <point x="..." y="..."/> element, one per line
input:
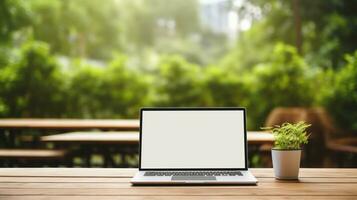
<point x="94" y="138"/>
<point x="110" y="197"/>
<point x="264" y="189"/>
<point x="56" y="124"/>
<point x="84" y="183"/>
<point x="129" y="172"/>
<point x="32" y="153"/>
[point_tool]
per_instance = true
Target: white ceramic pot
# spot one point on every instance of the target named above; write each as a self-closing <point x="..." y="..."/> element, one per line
<point x="286" y="163"/>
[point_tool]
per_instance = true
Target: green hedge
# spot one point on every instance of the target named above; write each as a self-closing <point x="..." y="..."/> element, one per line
<point x="33" y="84"/>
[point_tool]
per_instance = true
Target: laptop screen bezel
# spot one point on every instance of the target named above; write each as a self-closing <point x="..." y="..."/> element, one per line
<point x="188" y="109"/>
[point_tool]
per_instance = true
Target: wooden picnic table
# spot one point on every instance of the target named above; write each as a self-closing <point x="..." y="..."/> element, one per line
<point x="125" y="143"/>
<point x="92" y="184"/>
<point x="253" y="137"/>
<point x="85" y="124"/>
<point x="15" y="127"/>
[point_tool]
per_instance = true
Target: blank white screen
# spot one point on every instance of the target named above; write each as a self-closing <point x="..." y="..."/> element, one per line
<point x="192" y="139"/>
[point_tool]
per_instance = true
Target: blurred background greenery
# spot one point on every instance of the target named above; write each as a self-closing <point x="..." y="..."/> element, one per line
<point x="108" y="58"/>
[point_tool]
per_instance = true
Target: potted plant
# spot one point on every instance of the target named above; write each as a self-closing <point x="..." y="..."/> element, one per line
<point x="286" y="153"/>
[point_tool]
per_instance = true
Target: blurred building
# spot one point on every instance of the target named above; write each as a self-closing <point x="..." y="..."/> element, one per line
<point x="219" y="17"/>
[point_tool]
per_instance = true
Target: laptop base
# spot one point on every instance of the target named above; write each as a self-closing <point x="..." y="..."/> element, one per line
<point x="246" y="179"/>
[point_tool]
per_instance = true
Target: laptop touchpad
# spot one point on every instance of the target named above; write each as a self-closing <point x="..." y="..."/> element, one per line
<point x="193" y="178"/>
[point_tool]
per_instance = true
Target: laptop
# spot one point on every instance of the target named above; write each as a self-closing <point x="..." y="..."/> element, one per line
<point x="193" y="146"/>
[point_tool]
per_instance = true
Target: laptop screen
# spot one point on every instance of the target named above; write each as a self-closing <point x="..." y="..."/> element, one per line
<point x="193" y="138"/>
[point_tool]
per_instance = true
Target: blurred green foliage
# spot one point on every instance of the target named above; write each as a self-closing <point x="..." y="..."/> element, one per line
<point x="178" y="83"/>
<point x="32" y="85"/>
<point x="106" y="59"/>
<point x="72" y="27"/>
<point x="283" y="81"/>
<point x="342" y="99"/>
<point x="105" y="92"/>
<point x="13" y="15"/>
<point x="225" y="88"/>
<point x="328" y="30"/>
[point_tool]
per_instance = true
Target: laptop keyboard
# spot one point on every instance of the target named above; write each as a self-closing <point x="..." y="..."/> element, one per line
<point x="193" y="173"/>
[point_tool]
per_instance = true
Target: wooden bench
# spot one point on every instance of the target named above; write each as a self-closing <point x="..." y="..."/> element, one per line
<point x="33" y="157"/>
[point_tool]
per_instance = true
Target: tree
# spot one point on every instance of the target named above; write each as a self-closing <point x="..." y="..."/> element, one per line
<point x="125" y="91"/>
<point x="78" y="28"/>
<point x="14" y="15"/>
<point x="226" y="88"/>
<point x="283" y="81"/>
<point x="106" y="92"/>
<point x="179" y="83"/>
<point x="328" y="31"/>
<point x="32" y="86"/>
<point x="342" y="99"/>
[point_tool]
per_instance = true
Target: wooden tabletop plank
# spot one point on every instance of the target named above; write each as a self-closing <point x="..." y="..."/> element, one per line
<point x="260" y="137"/>
<point x="32" y="153"/>
<point x="124" y="183"/>
<point x="129" y="172"/>
<point x="62" y="183"/>
<point x="111" y="197"/>
<point x="263" y="189"/>
<point x="94" y="137"/>
<point x="36" y="179"/>
<point x="68" y="172"/>
<point x="56" y="124"/>
<point x="253" y="137"/>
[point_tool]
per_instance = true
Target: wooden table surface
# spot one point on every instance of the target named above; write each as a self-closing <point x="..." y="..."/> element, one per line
<point x="90" y="184"/>
<point x="68" y="124"/>
<point x="253" y="137"/>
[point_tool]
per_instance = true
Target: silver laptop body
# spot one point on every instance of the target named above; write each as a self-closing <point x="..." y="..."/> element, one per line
<point x="193" y="146"/>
